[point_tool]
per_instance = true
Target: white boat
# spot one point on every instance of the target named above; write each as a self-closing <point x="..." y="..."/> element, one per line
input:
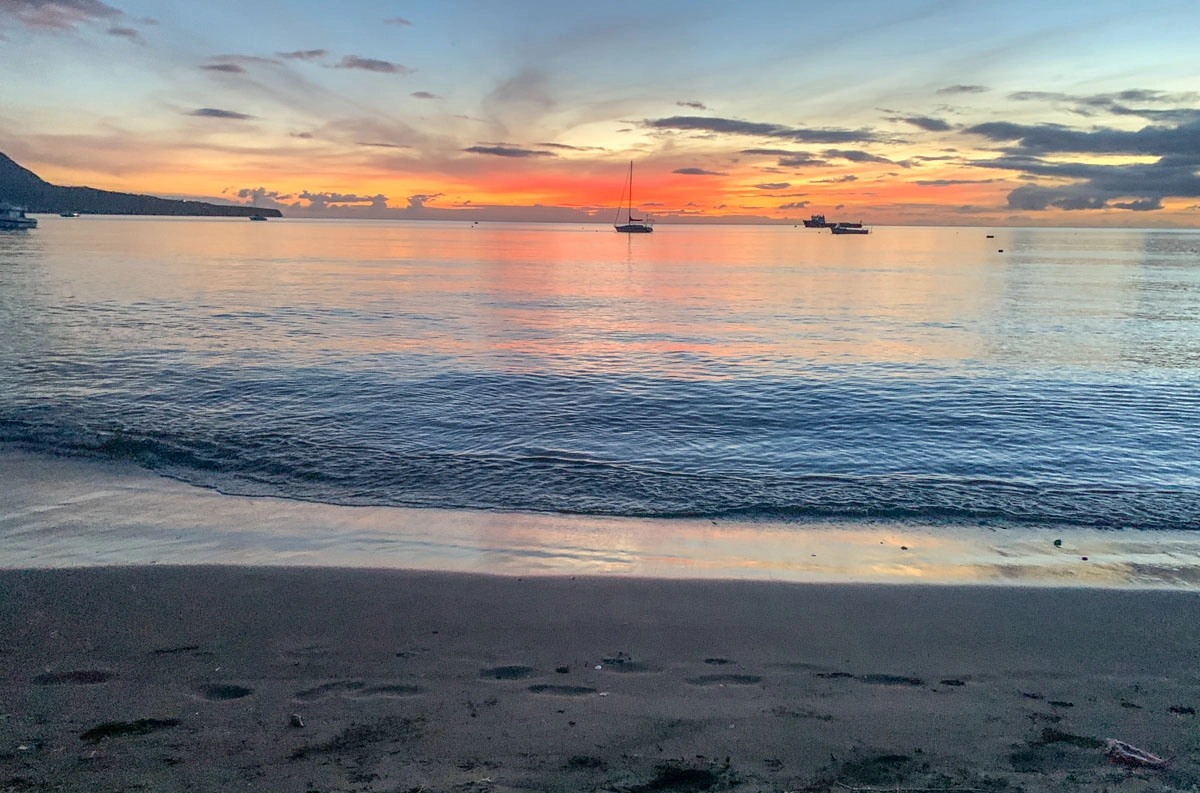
<point x="12" y="218"/>
<point x="631" y="225"/>
<point x="847" y="228"/>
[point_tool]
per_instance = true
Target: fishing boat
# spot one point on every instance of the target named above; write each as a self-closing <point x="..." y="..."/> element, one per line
<point x="816" y="222"/>
<point x="13" y="218"/>
<point x="68" y="214"/>
<point x="846" y="228"/>
<point x="631" y="225"/>
<point x="258" y="217"/>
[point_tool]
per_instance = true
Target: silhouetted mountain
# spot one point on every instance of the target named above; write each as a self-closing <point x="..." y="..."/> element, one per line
<point x="23" y="187"/>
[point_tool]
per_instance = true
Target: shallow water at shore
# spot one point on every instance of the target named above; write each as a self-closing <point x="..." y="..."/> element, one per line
<point x="68" y="513"/>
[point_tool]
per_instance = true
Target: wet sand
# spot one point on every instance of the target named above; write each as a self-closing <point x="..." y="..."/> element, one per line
<point x="198" y="678"/>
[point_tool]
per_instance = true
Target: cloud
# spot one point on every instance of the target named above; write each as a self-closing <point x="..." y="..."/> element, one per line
<point x="775" y="152"/>
<point x="839" y="180"/>
<point x="380" y="145"/>
<point x="697" y="172"/>
<point x="1115" y="103"/>
<point x="371" y="65"/>
<point x="58" y="15"/>
<point x="1144" y="205"/>
<point x="950" y="182"/>
<point x="398" y="21"/>
<point x="213" y="112"/>
<point x="801" y="162"/>
<point x="795" y="205"/>
<point x="305" y="135"/>
<point x="774" y="186"/>
<point x="424" y="95"/>
<point x="303" y="55"/>
<point x="323" y="200"/>
<point x="419" y="200"/>
<point x="1054" y="138"/>
<point x="926" y="123"/>
<point x="952" y="90"/>
<point x="124" y="32"/>
<point x="854" y="155"/>
<point x="727" y="126"/>
<point x="231" y="68"/>
<point x="567" y="147"/>
<point x="508" y="151"/>
<point x="693" y="105"/>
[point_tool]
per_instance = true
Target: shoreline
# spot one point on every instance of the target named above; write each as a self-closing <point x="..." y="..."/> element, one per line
<point x="178" y="678"/>
<point x="63" y="513"/>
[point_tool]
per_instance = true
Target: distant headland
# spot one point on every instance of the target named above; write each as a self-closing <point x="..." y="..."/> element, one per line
<point x="22" y="187"/>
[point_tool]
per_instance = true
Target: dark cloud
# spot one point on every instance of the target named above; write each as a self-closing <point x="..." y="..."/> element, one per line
<point x="951" y="90"/>
<point x="854" y="155"/>
<point x="58" y="15"/>
<point x="775" y="152"/>
<point x="214" y="112"/>
<point x="774" y="186"/>
<point x="262" y="197"/>
<point x="697" y="172"/>
<point x="567" y="147"/>
<point x="795" y="205"/>
<point x="323" y="200"/>
<point x="801" y="162"/>
<point x="1145" y="205"/>
<point x="125" y="33"/>
<point x="303" y="55"/>
<point x="949" y="182"/>
<point x="1116" y="103"/>
<point x="926" y="123"/>
<point x="380" y="145"/>
<point x="1183" y="139"/>
<point x="693" y="105"/>
<point x="419" y="200"/>
<point x="424" y="95"/>
<point x="728" y="126"/>
<point x="305" y="135"/>
<point x="508" y="151"/>
<point x="399" y="21"/>
<point x="371" y="65"/>
<point x="839" y="180"/>
<point x="231" y="68"/>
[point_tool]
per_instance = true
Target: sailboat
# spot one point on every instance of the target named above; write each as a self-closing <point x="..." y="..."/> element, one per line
<point x="631" y="225"/>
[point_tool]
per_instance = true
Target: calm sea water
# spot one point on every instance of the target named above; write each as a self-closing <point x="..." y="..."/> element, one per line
<point x="768" y="372"/>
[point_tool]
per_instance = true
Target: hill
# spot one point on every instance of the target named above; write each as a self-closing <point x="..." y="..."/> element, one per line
<point x="23" y="187"/>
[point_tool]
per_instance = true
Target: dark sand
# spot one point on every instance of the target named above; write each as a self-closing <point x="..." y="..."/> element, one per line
<point x="154" y="678"/>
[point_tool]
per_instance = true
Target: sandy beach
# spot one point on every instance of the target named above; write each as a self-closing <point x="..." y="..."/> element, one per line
<point x="223" y="678"/>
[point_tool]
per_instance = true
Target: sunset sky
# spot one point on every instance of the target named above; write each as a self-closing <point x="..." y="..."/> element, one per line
<point x="948" y="112"/>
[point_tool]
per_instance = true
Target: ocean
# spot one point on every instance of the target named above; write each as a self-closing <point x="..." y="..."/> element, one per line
<point x="1045" y="378"/>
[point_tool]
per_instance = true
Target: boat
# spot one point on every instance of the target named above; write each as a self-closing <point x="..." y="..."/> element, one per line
<point x="13" y="218"/>
<point x="631" y="225"/>
<point x="68" y="214"/>
<point x="816" y="222"/>
<point x="845" y="228"/>
<point x="848" y="225"/>
<point x="258" y="217"/>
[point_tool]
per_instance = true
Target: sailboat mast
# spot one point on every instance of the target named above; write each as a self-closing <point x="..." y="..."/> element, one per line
<point x="629" y="212"/>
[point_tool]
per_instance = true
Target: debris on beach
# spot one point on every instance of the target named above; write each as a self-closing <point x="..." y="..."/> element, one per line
<point x="297" y="721"/>
<point x="1122" y="753"/>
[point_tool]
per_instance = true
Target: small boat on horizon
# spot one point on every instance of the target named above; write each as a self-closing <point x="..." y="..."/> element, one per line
<point x="631" y="225"/>
<point x="258" y="217"/>
<point x="848" y="228"/>
<point x="68" y="214"/>
<point x="12" y="218"/>
<point x="816" y="222"/>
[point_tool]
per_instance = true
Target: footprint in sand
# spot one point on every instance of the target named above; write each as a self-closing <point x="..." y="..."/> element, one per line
<point x="725" y="680"/>
<point x="385" y="692"/>
<point x="78" y="677"/>
<point x="507" y="673"/>
<point x="892" y="680"/>
<point x="562" y="691"/>
<point x="327" y="690"/>
<point x="223" y="692"/>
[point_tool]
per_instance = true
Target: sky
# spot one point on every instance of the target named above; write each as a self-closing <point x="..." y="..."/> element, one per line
<point x="901" y="112"/>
